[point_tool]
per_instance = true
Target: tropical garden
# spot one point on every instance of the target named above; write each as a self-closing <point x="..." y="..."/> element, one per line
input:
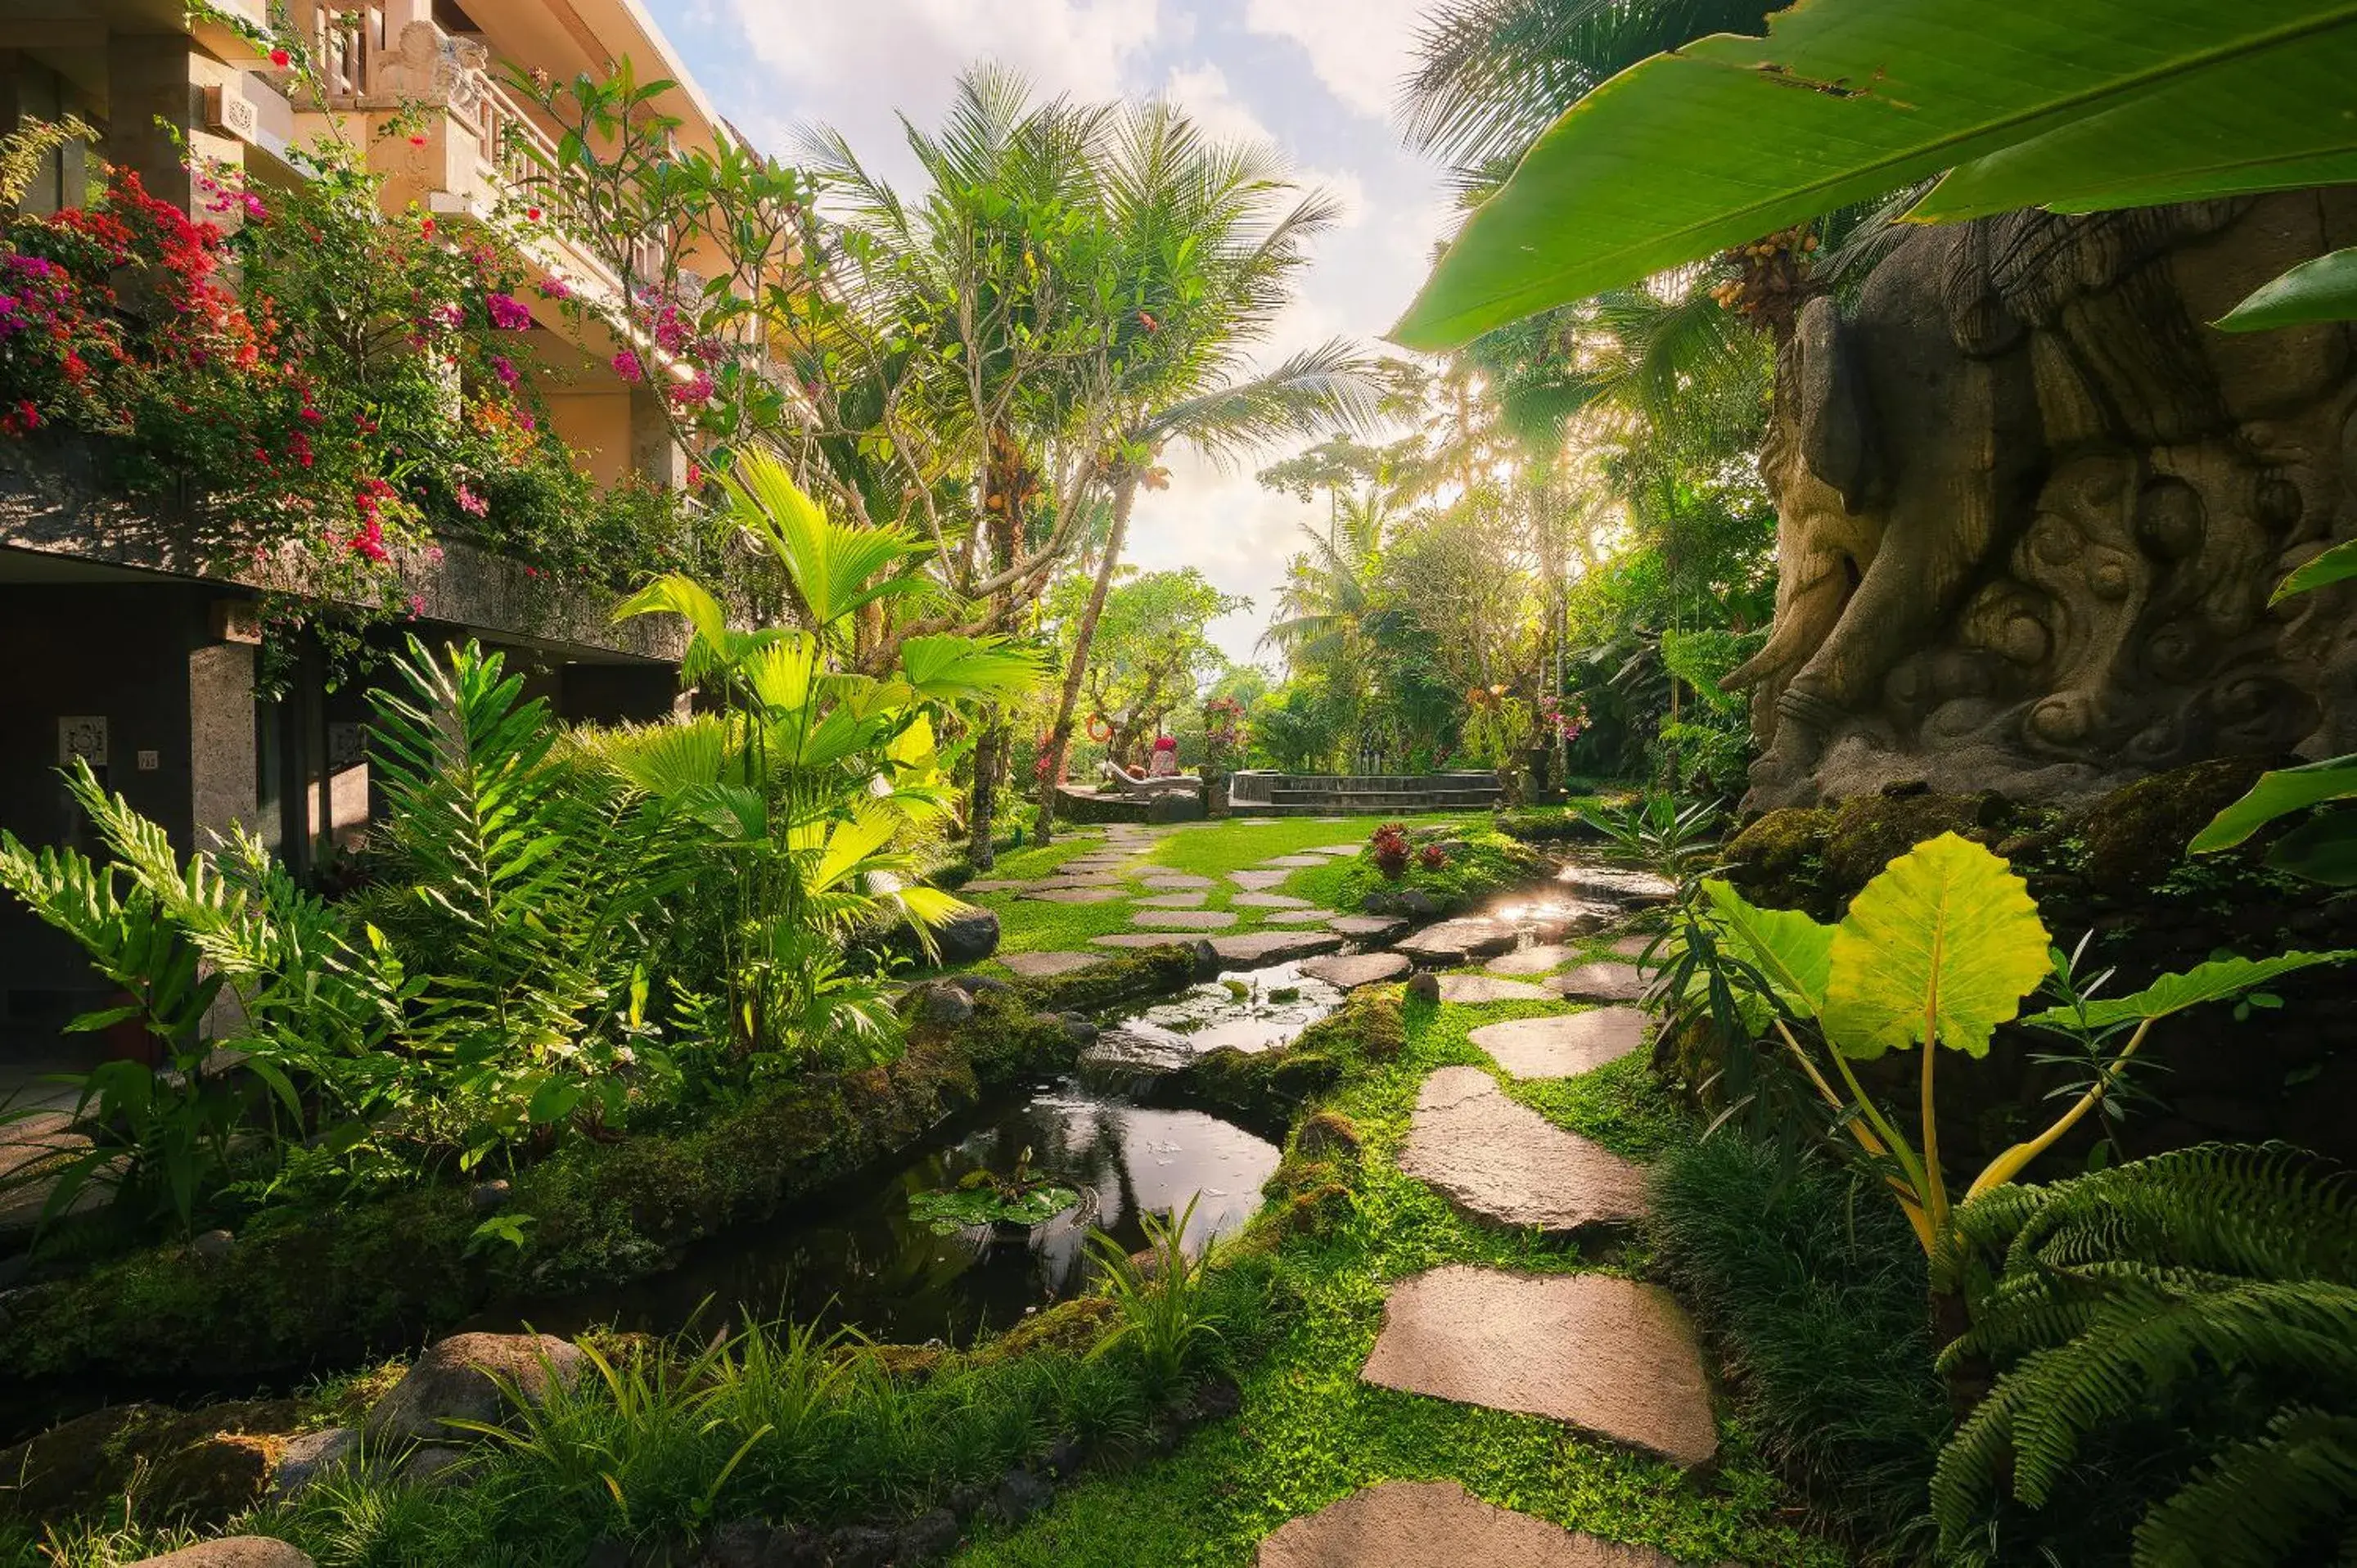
<point x="822" y="1127"/>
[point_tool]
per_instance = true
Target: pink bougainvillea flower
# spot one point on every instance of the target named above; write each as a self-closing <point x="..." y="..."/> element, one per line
<point x="695" y="475"/>
<point x="509" y="314"/>
<point x="556" y="288"/>
<point x="417" y="605"/>
<point x="434" y="554"/>
<point x="696" y="390"/>
<point x="627" y="366"/>
<point x="472" y="504"/>
<point x="504" y="368"/>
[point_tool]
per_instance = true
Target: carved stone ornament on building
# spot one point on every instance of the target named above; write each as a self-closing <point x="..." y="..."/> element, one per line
<point x="83" y="735"/>
<point x="2033" y="508"/>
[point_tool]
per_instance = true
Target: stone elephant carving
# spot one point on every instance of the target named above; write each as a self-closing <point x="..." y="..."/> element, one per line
<point x="2030" y="508"/>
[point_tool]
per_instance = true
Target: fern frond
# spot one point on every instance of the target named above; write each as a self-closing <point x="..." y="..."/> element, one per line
<point x="2258" y="1503"/>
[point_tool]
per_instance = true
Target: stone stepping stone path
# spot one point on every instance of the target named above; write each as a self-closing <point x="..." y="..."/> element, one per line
<point x="1601" y="982"/>
<point x="1368" y="928"/>
<point x="1258" y="881"/>
<point x="1360" y="969"/>
<point x="1607" y="1356"/>
<point x="994" y="885"/>
<point x="1335" y="849"/>
<point x="1476" y="989"/>
<point x="1296" y="916"/>
<point x="1257" y="949"/>
<point x="1075" y="895"/>
<point x="1537" y="959"/>
<point x="1173" y="901"/>
<point x="1565" y="1046"/>
<point x="1453" y="942"/>
<point x="1618" y="884"/>
<point x="1175" y="881"/>
<point x="1143" y="940"/>
<point x="1040" y="965"/>
<point x="1631" y="947"/>
<point x="1436" y="1524"/>
<point x="1185" y="919"/>
<point x="1296" y="862"/>
<point x="1269" y="901"/>
<point x="1505" y="1163"/>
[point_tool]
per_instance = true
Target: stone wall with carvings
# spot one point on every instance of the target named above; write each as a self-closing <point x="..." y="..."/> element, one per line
<point x="2032" y="509"/>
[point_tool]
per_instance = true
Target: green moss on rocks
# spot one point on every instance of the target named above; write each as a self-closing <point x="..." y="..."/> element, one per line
<point x="1869" y="832"/>
<point x="2133" y="837"/>
<point x="1780" y="860"/>
<point x="195" y="1467"/>
<point x="1130" y="976"/>
<point x="1270" y="1087"/>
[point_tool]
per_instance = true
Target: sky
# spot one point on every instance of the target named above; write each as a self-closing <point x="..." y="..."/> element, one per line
<point x="1318" y="78"/>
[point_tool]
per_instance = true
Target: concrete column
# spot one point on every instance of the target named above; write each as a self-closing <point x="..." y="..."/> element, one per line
<point x="223" y="790"/>
<point x="653" y="451"/>
<point x="162" y="76"/>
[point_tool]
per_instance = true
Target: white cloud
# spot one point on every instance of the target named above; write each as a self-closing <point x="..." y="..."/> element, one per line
<point x="1082" y="46"/>
<point x="1202" y="90"/>
<point x="1359" y="49"/>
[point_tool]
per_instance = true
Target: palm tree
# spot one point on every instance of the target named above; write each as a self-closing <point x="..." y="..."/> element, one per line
<point x="1211" y="237"/>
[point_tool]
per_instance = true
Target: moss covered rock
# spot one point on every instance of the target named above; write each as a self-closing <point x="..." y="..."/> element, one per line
<point x="2136" y="836"/>
<point x="196" y="1467"/>
<point x="1780" y="860"/>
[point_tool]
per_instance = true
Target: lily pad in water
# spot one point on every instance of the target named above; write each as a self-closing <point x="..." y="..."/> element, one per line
<point x="962" y="1208"/>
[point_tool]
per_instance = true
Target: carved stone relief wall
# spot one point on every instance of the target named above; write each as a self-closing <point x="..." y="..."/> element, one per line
<point x="2032" y="509"/>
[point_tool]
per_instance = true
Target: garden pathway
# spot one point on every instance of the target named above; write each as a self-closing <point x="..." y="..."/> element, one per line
<point x="1606" y="1356"/>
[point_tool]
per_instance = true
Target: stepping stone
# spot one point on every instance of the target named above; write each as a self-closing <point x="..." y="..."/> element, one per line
<point x="1075" y="895"/>
<point x="1360" y="969"/>
<point x="1601" y="982"/>
<point x="1175" y="881"/>
<point x="1297" y="862"/>
<point x="1631" y="947"/>
<point x="1368" y="928"/>
<point x="1173" y="901"/>
<point x="1452" y="942"/>
<point x="993" y="885"/>
<point x="1618" y="884"/>
<point x="1435" y="1524"/>
<point x="1296" y="916"/>
<point x="1269" y="901"/>
<point x="1334" y="849"/>
<point x="1532" y="960"/>
<point x="1504" y="1163"/>
<point x="1185" y="919"/>
<point x="1475" y="989"/>
<point x="1259" y="881"/>
<point x="1257" y="949"/>
<point x="1565" y="1046"/>
<point x="1040" y="965"/>
<point x="1144" y="940"/>
<point x="1610" y="1356"/>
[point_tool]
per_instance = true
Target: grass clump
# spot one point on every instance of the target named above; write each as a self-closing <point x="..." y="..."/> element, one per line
<point x="1812" y="1289"/>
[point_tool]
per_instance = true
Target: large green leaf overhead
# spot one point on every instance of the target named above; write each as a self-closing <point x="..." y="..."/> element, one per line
<point x="2091" y="103"/>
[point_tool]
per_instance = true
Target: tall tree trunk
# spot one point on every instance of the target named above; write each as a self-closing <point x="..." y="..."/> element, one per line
<point x="1060" y="739"/>
<point x="989" y="747"/>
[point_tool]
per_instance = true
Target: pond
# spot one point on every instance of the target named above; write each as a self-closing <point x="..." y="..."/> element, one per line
<point x="856" y="1257"/>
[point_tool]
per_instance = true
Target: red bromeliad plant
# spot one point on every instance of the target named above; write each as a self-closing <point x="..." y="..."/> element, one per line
<point x="1390" y="844"/>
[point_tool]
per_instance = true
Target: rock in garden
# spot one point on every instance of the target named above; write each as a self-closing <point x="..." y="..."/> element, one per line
<point x="1258" y="949"/>
<point x="1020" y="1495"/>
<point x="231" y="1551"/>
<point x="1143" y="940"/>
<point x="1631" y="947"/>
<point x="1359" y="968"/>
<point x="1311" y="916"/>
<point x="311" y="1454"/>
<point x="488" y="1196"/>
<point x="1424" y="985"/>
<point x="1328" y="1132"/>
<point x="1475" y="989"/>
<point x="1452" y="942"/>
<point x="1563" y="1046"/>
<point x="1080" y="1031"/>
<point x="1175" y="881"/>
<point x="1531" y="960"/>
<point x="860" y="1546"/>
<point x="1294" y="862"/>
<point x="928" y="1538"/>
<point x="976" y="984"/>
<point x="438" y="1466"/>
<point x="1334" y="849"/>
<point x="1435" y="1524"/>
<point x="1600" y="983"/>
<point x="940" y="1002"/>
<point x="968" y="937"/>
<point x="1368" y="928"/>
<point x="1379" y="903"/>
<point x="1042" y="965"/>
<point x="1416" y="902"/>
<point x="212" y="1247"/>
<point x="465" y="1377"/>
<point x="1610" y="1356"/>
<point x="1618" y="884"/>
<point x="1504" y="1163"/>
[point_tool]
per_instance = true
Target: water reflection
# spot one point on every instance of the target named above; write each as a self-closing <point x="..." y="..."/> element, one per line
<point x="857" y="1258"/>
<point x="1255" y="1012"/>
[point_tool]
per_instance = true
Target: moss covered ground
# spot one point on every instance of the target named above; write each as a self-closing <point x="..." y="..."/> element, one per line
<point x="1311" y="1432"/>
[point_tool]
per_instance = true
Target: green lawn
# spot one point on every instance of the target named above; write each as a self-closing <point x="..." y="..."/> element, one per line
<point x="1207" y="849"/>
<point x="1311" y="1432"/>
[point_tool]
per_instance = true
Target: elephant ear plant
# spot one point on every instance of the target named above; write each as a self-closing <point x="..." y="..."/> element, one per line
<point x="1936" y="953"/>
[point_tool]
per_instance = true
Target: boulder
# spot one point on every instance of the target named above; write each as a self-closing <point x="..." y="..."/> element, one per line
<point x="469" y="1377"/>
<point x="231" y="1551"/>
<point x="310" y="1455"/>
<point x="967" y="937"/>
<point x="941" y="1004"/>
<point x="1424" y="985"/>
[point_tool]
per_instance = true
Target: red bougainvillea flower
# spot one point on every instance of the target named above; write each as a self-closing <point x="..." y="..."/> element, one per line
<point x="416" y="139"/>
<point x="280" y="59"/>
<point x="417" y="605"/>
<point x="426" y="227"/>
<point x="532" y="213"/>
<point x="695" y="475"/>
